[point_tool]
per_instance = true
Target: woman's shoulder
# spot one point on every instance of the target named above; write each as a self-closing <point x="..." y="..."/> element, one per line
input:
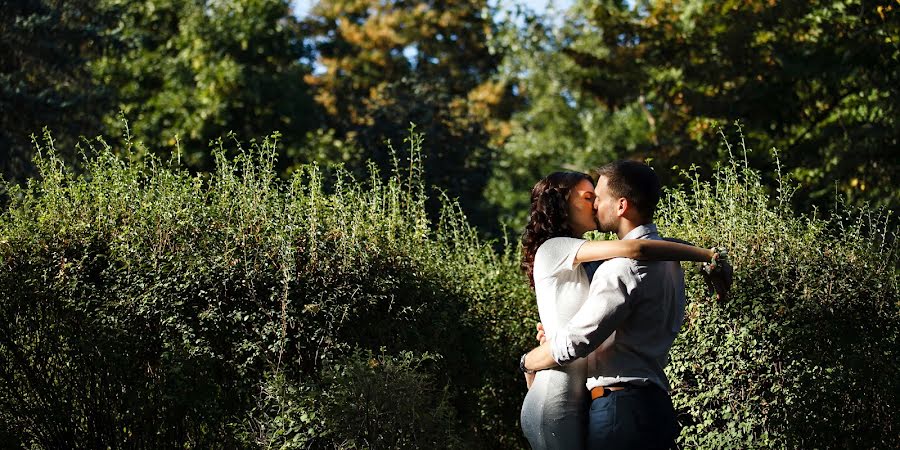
<point x="561" y="241"/>
<point x="555" y="253"/>
<point x="564" y="243"/>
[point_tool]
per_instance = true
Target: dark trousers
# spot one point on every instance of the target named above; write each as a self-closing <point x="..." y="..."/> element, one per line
<point x="635" y="418"/>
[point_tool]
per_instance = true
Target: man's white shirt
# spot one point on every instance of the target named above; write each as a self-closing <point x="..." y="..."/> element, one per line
<point x="627" y="324"/>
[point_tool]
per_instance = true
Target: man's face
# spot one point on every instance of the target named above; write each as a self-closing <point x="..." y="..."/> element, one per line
<point x="606" y="206"/>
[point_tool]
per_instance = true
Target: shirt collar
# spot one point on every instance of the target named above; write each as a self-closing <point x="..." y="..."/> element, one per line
<point x="641" y="231"/>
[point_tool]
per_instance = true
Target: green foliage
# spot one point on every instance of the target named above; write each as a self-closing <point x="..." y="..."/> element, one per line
<point x="816" y="79"/>
<point x="143" y="305"/>
<point x="324" y="148"/>
<point x="391" y="63"/>
<point x="362" y="402"/>
<point x="187" y="71"/>
<point x="192" y="71"/>
<point x="504" y="100"/>
<point x="803" y="354"/>
<point x="652" y="79"/>
<point x="44" y="45"/>
<point x="560" y="126"/>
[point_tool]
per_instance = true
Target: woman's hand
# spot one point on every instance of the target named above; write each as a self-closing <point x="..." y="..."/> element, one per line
<point x="541" y="337"/>
<point x="720" y="278"/>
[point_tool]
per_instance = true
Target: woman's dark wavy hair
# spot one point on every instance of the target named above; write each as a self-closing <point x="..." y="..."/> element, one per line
<point x="549" y="216"/>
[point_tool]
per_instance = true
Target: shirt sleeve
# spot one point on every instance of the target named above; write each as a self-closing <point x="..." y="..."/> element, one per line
<point x="606" y="307"/>
<point x="555" y="255"/>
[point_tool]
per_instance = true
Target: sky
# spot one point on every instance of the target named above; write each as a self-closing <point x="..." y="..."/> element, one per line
<point x="301" y="7"/>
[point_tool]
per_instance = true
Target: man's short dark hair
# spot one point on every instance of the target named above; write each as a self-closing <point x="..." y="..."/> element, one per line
<point x="634" y="181"/>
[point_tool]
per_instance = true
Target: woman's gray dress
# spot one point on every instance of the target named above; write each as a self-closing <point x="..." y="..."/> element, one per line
<point x="554" y="413"/>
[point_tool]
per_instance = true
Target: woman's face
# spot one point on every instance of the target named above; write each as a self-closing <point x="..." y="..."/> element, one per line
<point x="581" y="208"/>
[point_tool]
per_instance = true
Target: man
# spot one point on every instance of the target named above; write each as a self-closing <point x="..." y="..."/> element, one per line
<point x="628" y="323"/>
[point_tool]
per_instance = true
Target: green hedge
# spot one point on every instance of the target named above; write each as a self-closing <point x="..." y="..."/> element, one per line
<point x="145" y="306"/>
<point x="804" y="354"/>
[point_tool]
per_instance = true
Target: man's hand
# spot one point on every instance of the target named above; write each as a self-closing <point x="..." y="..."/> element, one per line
<point x="544" y="353"/>
<point x="540" y="358"/>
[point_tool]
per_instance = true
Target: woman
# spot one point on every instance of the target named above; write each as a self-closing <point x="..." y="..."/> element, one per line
<point x="555" y="410"/>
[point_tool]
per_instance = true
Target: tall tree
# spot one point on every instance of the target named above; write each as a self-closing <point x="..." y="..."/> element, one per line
<point x="45" y="46"/>
<point x="559" y="125"/>
<point x="818" y="80"/>
<point x="389" y="63"/>
<point x="197" y="69"/>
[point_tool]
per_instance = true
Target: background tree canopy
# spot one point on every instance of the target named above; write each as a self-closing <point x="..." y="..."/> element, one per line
<point x="505" y="95"/>
<point x="45" y="47"/>
<point x="815" y="80"/>
<point x="194" y="71"/>
<point x="387" y="64"/>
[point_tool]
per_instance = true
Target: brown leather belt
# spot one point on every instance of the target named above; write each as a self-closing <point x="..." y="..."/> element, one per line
<point x="603" y="391"/>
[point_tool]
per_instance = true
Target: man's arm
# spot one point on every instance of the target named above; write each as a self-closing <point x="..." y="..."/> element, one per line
<point x="540" y="358"/>
<point x="604" y="310"/>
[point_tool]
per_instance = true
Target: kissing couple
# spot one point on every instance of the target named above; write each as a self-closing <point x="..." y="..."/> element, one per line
<point x="609" y="311"/>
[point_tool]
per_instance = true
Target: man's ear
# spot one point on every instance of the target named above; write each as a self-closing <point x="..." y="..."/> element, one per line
<point x="622" y="206"/>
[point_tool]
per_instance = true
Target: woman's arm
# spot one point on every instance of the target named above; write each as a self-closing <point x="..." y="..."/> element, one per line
<point x="641" y="249"/>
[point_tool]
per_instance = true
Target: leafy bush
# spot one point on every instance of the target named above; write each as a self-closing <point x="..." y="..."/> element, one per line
<point x="145" y="306"/>
<point x="804" y="353"/>
<point x="364" y="401"/>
